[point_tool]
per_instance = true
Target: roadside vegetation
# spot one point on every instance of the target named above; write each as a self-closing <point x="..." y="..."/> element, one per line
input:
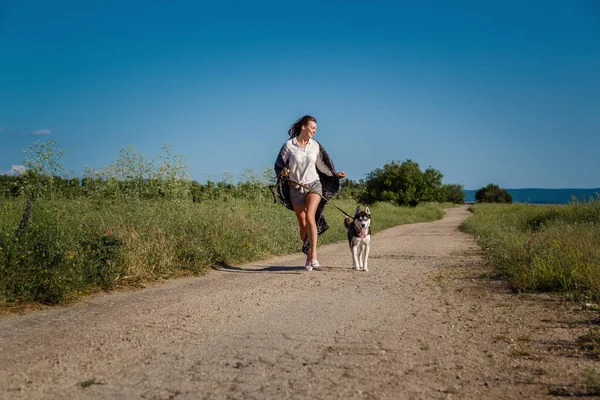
<point x="549" y="248"/>
<point x="54" y="250"/>
<point x="139" y="220"/>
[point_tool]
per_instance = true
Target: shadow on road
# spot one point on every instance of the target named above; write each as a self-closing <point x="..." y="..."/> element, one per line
<point x="273" y="268"/>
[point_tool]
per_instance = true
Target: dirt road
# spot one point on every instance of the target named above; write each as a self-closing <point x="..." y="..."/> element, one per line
<point x="425" y="322"/>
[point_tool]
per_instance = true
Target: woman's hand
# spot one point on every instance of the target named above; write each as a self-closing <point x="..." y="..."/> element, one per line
<point x="341" y="174"/>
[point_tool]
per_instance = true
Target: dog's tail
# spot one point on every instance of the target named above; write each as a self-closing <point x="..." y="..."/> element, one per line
<point x="347" y="221"/>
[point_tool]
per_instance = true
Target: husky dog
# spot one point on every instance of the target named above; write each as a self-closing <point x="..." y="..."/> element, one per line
<point x="359" y="237"/>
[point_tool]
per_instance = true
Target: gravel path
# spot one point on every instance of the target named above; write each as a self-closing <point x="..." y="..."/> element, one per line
<point x="425" y="322"/>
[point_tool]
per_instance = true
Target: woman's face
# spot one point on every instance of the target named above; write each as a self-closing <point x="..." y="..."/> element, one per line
<point x="310" y="129"/>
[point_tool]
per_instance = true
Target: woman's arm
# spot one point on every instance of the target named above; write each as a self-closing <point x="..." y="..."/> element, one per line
<point x="282" y="160"/>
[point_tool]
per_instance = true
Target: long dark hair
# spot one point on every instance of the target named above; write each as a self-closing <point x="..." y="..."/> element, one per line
<point x="296" y="127"/>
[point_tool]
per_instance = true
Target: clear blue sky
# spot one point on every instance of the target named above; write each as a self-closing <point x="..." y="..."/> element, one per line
<point x="506" y="92"/>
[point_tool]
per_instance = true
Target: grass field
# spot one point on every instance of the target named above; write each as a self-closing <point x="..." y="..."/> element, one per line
<point x="554" y="248"/>
<point x="55" y="251"/>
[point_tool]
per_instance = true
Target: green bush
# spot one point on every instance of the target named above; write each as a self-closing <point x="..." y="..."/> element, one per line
<point x="453" y="194"/>
<point x="39" y="253"/>
<point x="493" y="194"/>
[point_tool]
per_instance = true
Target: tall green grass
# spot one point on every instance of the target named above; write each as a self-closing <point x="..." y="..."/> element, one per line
<point x="54" y="251"/>
<point x="554" y="248"/>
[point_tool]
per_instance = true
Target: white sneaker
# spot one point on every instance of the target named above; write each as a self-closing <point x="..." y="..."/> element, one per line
<point x="308" y="266"/>
<point x="314" y="263"/>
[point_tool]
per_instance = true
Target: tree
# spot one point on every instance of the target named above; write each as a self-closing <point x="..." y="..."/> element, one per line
<point x="403" y="183"/>
<point x="431" y="188"/>
<point x="454" y="194"/>
<point x="352" y="189"/>
<point x="493" y="194"/>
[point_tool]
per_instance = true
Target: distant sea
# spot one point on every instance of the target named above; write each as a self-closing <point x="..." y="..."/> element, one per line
<point x="543" y="196"/>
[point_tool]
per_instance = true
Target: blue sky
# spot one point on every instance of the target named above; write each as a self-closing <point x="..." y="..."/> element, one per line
<point x="504" y="92"/>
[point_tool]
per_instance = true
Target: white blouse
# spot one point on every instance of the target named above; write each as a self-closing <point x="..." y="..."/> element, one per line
<point x="302" y="162"/>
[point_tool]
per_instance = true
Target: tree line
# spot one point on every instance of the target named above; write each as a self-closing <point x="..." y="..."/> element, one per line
<point x="134" y="176"/>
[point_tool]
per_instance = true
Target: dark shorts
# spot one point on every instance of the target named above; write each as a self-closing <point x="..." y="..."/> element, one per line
<point x="298" y="195"/>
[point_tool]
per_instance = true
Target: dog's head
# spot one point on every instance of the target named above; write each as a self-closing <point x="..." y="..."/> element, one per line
<point x="362" y="220"/>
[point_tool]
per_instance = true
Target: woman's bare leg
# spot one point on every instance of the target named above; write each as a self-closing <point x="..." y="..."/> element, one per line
<point x="312" y="202"/>
<point x="301" y="215"/>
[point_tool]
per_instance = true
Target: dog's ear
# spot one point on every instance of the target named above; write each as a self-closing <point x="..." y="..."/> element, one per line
<point x="357" y="210"/>
<point x="367" y="211"/>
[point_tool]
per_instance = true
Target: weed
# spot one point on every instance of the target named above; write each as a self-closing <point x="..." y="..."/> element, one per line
<point x="590" y="343"/>
<point x="466" y="253"/>
<point x="589" y="387"/>
<point x="559" y="391"/>
<point x="90" y="382"/>
<point x="516" y="353"/>
<point x="524" y="339"/>
<point x="591" y="382"/>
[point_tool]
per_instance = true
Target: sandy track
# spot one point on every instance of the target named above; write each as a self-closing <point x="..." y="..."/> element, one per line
<point x="423" y="323"/>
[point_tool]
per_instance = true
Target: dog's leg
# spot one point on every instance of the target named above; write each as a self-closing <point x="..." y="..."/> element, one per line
<point x="361" y="251"/>
<point x="366" y="254"/>
<point x="355" y="263"/>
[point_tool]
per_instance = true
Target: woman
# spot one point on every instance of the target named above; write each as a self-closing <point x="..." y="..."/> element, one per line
<point x="306" y="165"/>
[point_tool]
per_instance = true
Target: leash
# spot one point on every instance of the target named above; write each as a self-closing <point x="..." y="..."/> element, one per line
<point x="285" y="178"/>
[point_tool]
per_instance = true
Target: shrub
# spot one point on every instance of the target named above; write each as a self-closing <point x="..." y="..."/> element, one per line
<point x="454" y="194"/>
<point x="493" y="194"/>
